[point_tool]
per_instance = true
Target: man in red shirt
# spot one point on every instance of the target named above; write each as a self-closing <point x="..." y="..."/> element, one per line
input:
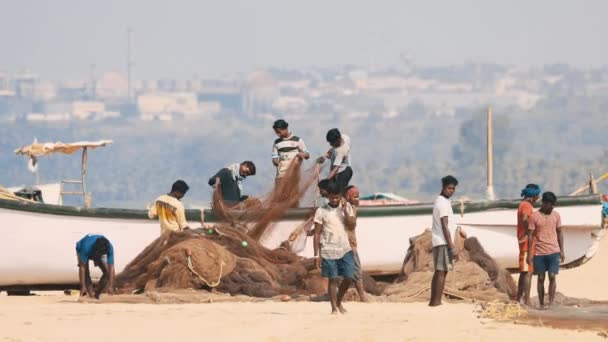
<point x="530" y="195"/>
<point x="545" y="228"/>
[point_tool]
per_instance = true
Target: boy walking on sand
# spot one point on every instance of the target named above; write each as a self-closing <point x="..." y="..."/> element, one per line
<point x="331" y="247"/>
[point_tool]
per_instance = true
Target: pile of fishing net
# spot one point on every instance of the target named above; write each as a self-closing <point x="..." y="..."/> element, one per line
<point x="475" y="277"/>
<point x="224" y="258"/>
<point x="295" y="188"/>
<point x="228" y="257"/>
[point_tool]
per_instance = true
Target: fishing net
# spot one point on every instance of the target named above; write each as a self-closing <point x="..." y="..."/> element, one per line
<point x="477" y="277"/>
<point x="224" y="258"/>
<point x="228" y="256"/>
<point x="256" y="215"/>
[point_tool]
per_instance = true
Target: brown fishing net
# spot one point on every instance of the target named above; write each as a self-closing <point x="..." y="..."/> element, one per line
<point x="227" y="257"/>
<point x="256" y="215"/>
<point x="224" y="258"/>
<point x="476" y="277"/>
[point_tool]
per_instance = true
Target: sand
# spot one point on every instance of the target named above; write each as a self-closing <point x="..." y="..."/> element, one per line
<point x="589" y="280"/>
<point x="55" y="317"/>
<point x="59" y="318"/>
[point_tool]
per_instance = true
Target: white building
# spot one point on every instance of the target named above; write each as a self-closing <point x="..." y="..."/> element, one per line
<point x="163" y="103"/>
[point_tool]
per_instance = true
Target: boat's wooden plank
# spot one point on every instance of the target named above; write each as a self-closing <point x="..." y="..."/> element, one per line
<point x="194" y="215"/>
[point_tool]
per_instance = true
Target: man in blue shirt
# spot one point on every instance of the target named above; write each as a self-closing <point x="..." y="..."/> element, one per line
<point x="100" y="250"/>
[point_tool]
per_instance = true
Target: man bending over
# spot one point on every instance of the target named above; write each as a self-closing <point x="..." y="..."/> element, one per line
<point x="100" y="250"/>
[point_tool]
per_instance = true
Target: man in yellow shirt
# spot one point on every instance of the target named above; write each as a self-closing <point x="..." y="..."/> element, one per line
<point x="169" y="210"/>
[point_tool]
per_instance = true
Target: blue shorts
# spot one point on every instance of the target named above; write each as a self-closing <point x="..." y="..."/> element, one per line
<point x="343" y="267"/>
<point x="546" y="263"/>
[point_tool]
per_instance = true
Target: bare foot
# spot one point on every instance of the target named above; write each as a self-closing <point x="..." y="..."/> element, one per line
<point x="364" y="299"/>
<point x="342" y="309"/>
<point x="434" y="304"/>
<point x="334" y="312"/>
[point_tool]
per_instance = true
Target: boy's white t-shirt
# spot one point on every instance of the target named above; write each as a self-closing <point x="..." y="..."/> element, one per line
<point x="334" y="239"/>
<point x="442" y="207"/>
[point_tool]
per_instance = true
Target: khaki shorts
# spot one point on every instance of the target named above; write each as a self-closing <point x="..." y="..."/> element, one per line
<point x="441" y="259"/>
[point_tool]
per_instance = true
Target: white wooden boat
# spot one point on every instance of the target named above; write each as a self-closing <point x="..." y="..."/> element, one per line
<point x="37" y="249"/>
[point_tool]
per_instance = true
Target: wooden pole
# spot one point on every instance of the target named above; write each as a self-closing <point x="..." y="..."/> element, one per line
<point x="490" y="158"/>
<point x="84" y="177"/>
<point x="592" y="184"/>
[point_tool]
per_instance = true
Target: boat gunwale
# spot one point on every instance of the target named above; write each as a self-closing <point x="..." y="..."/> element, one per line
<point x="292" y="214"/>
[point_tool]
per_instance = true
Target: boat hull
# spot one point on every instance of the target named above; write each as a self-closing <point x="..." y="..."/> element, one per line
<point x="38" y="243"/>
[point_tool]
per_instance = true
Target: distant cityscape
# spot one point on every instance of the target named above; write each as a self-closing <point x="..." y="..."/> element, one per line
<point x="349" y="91"/>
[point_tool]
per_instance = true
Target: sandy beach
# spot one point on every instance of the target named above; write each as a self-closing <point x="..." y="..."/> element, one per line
<point x="56" y="317"/>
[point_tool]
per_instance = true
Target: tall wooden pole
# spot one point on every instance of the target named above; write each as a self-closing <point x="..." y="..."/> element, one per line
<point x="490" y="159"/>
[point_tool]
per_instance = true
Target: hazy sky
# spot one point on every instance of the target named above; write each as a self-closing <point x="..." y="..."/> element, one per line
<point x="60" y="39"/>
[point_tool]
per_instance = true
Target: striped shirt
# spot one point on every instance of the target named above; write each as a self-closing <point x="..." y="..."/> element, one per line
<point x="286" y="150"/>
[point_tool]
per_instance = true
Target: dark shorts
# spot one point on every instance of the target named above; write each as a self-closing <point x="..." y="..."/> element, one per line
<point x="343" y="178"/>
<point x="343" y="267"/>
<point x="546" y="263"/>
<point x="441" y="259"/>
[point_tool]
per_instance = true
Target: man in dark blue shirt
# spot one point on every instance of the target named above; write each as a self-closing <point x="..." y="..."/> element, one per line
<point x="100" y="250"/>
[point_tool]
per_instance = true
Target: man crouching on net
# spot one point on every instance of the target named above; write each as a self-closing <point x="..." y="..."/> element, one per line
<point x="100" y="250"/>
<point x="331" y="244"/>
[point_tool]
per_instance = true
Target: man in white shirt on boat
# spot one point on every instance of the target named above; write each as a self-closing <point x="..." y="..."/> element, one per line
<point x="444" y="249"/>
<point x="339" y="155"/>
<point x="169" y="210"/>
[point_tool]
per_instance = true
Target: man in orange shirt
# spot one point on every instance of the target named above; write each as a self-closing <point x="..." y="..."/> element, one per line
<point x="530" y="195"/>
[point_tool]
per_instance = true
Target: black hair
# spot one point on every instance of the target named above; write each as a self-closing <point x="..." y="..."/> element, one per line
<point x="333" y="188"/>
<point x="180" y="186"/>
<point x="280" y="124"/>
<point x="549" y="197"/>
<point x="449" y="180"/>
<point x="348" y="188"/>
<point x="251" y="167"/>
<point x="333" y="136"/>
<point x="532" y="186"/>
<point x="323" y="184"/>
<point x="100" y="247"/>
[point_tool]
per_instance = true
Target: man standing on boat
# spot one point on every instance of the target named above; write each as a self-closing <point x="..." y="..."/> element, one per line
<point x="530" y="195"/>
<point x="545" y="229"/>
<point x="444" y="249"/>
<point x="286" y="148"/>
<point x="99" y="249"/>
<point x="169" y="210"/>
<point x="229" y="180"/>
<point x="339" y="155"/>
